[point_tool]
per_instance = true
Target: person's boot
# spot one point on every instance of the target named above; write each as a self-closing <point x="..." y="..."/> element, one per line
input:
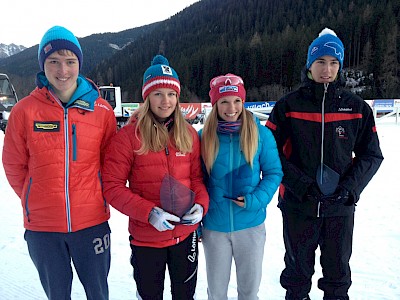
<point x="291" y="297"/>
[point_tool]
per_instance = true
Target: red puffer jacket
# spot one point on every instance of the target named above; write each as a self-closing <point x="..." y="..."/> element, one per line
<point x="52" y="158"/>
<point x="144" y="174"/>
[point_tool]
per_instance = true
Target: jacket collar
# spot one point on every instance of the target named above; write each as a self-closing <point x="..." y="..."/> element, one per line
<point x="314" y="90"/>
<point x="84" y="96"/>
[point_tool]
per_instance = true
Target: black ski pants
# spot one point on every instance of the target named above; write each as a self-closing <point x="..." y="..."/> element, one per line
<point x="302" y="235"/>
<point x="149" y="266"/>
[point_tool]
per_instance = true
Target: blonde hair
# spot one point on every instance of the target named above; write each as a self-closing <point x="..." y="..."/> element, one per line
<point x="210" y="142"/>
<point x="154" y="136"/>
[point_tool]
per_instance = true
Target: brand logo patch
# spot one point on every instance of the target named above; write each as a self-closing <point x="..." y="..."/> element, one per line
<point x="337" y="48"/>
<point x="82" y="103"/>
<point x="180" y="154"/>
<point x="314" y="49"/>
<point x="105" y="107"/>
<point x="48" y="126"/>
<point x="166" y="70"/>
<point x="228" y="88"/>
<point x="345" y="109"/>
<point x="192" y="257"/>
<point x="47" y="48"/>
<point x="341" y="132"/>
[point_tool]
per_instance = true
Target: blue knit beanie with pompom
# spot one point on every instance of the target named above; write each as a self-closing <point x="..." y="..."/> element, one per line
<point x="160" y="75"/>
<point x="327" y="43"/>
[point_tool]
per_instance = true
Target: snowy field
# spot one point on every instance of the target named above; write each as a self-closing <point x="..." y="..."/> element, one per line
<point x="375" y="262"/>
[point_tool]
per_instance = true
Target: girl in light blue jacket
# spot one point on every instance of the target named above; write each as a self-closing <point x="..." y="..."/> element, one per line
<point x="243" y="174"/>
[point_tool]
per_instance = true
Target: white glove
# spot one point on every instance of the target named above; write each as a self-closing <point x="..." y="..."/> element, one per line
<point x="193" y="216"/>
<point x="159" y="219"/>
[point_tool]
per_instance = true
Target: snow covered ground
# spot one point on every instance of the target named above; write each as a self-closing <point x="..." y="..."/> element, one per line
<point x="375" y="262"/>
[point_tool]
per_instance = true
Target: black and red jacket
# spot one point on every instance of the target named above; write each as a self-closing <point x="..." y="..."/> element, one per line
<point x="350" y="144"/>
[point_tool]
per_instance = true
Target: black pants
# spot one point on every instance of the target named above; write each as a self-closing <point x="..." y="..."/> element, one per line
<point x="149" y="265"/>
<point x="302" y="235"/>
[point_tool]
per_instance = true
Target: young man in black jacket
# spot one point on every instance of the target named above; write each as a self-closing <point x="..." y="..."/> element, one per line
<point x="329" y="150"/>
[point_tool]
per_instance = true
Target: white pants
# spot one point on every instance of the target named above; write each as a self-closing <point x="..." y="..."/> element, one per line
<point x="246" y="247"/>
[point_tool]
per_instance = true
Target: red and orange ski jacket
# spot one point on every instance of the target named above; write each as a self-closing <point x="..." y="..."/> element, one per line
<point x="52" y="157"/>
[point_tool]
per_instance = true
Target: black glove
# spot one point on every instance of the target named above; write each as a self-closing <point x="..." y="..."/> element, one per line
<point x="338" y="204"/>
<point x="313" y="192"/>
<point x="341" y="195"/>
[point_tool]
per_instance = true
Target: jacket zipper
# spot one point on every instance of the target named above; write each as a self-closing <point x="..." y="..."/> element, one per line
<point x="170" y="185"/>
<point x="323" y="128"/>
<point x="231" y="161"/>
<point x="101" y="184"/>
<point x="322" y="137"/>
<point x="66" y="182"/>
<point x="26" y="199"/>
<point x="177" y="240"/>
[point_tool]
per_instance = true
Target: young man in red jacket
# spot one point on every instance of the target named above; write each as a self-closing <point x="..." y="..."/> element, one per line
<point x="53" y="151"/>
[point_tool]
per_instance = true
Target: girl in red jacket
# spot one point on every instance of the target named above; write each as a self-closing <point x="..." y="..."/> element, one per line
<point x="158" y="153"/>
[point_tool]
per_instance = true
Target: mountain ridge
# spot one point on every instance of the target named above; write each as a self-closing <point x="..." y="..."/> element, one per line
<point x="10" y="49"/>
<point x="265" y="42"/>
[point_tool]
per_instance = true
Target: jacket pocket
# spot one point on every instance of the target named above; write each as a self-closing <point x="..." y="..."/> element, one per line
<point x="27" y="199"/>
<point x="74" y="143"/>
<point x="101" y="186"/>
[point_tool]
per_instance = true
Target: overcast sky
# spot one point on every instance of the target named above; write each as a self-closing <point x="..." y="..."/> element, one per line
<point x="24" y="22"/>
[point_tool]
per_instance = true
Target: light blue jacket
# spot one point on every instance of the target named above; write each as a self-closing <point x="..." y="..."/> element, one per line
<point x="231" y="176"/>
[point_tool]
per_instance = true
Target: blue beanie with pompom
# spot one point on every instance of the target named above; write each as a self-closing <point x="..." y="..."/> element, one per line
<point x="160" y="75"/>
<point x="327" y="43"/>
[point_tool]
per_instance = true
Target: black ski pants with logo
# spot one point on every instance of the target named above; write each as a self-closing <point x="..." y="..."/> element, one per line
<point x="149" y="266"/>
<point x="302" y="235"/>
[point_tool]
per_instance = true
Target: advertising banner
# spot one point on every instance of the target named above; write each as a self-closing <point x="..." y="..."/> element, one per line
<point x="190" y="110"/>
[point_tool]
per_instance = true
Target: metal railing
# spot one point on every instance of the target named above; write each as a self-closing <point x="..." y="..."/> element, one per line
<point x="395" y="112"/>
<point x="261" y="113"/>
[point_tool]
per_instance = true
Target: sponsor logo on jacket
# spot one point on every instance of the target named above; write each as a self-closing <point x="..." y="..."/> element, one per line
<point x="46" y="126"/>
<point x="345" y="109"/>
<point x="102" y="106"/>
<point x="341" y="132"/>
<point x="82" y="103"/>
